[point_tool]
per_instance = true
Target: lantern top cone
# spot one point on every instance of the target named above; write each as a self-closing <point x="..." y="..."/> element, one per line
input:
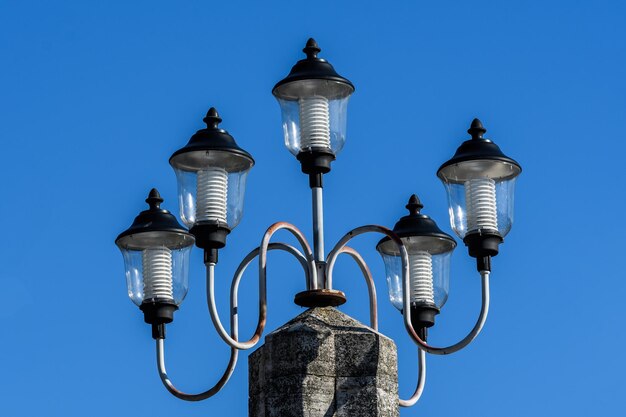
<point x="212" y="146"/>
<point x="153" y="228"/>
<point x="322" y="78"/>
<point x="421" y="228"/>
<point x="478" y="156"/>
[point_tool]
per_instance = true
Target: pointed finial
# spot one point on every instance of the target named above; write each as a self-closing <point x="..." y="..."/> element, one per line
<point x="311" y="49"/>
<point x="212" y="119"/>
<point x="476" y="129"/>
<point x="415" y="205"/>
<point x="154" y="199"/>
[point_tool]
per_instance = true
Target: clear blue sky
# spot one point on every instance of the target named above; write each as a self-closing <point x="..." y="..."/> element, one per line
<point x="94" y="97"/>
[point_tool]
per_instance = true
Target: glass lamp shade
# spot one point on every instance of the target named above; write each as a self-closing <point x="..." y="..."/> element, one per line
<point x="429" y="251"/>
<point x="480" y="183"/>
<point x="440" y="264"/>
<point x="314" y="102"/>
<point x="498" y="205"/>
<point x="142" y="274"/>
<point x="156" y="256"/>
<point x="224" y="202"/>
<point x="211" y="172"/>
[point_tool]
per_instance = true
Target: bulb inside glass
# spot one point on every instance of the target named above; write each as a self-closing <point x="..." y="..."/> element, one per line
<point x="157" y="273"/>
<point x="479" y="202"/>
<point x="314" y="114"/>
<point x="429" y="273"/>
<point x="480" y="195"/>
<point x="211" y="195"/>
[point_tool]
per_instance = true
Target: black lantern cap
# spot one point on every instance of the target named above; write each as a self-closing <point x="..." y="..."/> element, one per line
<point x="154" y="227"/>
<point x="212" y="146"/>
<point x="313" y="68"/>
<point x="419" y="226"/>
<point x="479" y="148"/>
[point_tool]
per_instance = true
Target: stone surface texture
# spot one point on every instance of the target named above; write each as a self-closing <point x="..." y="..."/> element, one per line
<point x="324" y="363"/>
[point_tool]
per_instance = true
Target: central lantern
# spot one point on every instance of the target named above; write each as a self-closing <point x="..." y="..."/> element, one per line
<point x="314" y="103"/>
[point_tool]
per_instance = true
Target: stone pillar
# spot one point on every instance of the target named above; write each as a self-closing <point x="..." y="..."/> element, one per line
<point x="324" y="363"/>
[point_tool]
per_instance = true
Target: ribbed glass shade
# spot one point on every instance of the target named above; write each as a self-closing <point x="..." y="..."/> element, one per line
<point x="480" y="196"/>
<point x="429" y="273"/>
<point x="315" y="116"/>
<point x="157" y="273"/>
<point x="211" y="195"/>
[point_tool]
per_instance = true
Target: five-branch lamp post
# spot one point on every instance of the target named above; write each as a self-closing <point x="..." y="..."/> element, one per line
<point x="211" y="171"/>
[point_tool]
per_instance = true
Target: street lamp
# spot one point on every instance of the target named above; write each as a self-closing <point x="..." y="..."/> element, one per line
<point x="314" y="102"/>
<point x="211" y="171"/>
<point x="156" y="257"/>
<point x="480" y="182"/>
<point x="429" y="250"/>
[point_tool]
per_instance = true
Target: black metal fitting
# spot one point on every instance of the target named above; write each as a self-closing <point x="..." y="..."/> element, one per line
<point x="210" y="256"/>
<point x="158" y="312"/>
<point x="210" y="235"/>
<point x="315" y="161"/>
<point x="316" y="180"/>
<point x="423" y="316"/>
<point x="158" y="331"/>
<point x="483" y="264"/>
<point x="483" y="243"/>
<point x="423" y="334"/>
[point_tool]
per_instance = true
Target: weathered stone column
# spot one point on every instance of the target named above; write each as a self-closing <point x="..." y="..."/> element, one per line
<point x="324" y="363"/>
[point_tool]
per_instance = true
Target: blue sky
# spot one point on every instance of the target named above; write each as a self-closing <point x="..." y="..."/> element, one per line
<point x="94" y="98"/>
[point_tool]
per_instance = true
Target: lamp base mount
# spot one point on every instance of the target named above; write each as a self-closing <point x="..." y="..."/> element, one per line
<point x="320" y="298"/>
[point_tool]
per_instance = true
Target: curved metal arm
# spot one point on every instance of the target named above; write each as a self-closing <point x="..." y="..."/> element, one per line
<point x="234" y="325"/>
<point x="421" y="380"/>
<point x="332" y="257"/>
<point x="234" y="291"/>
<point x="312" y="274"/>
<point x="230" y="368"/>
<point x="160" y="349"/>
<point x="482" y="317"/>
<point x="339" y="247"/>
<point x="371" y="287"/>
